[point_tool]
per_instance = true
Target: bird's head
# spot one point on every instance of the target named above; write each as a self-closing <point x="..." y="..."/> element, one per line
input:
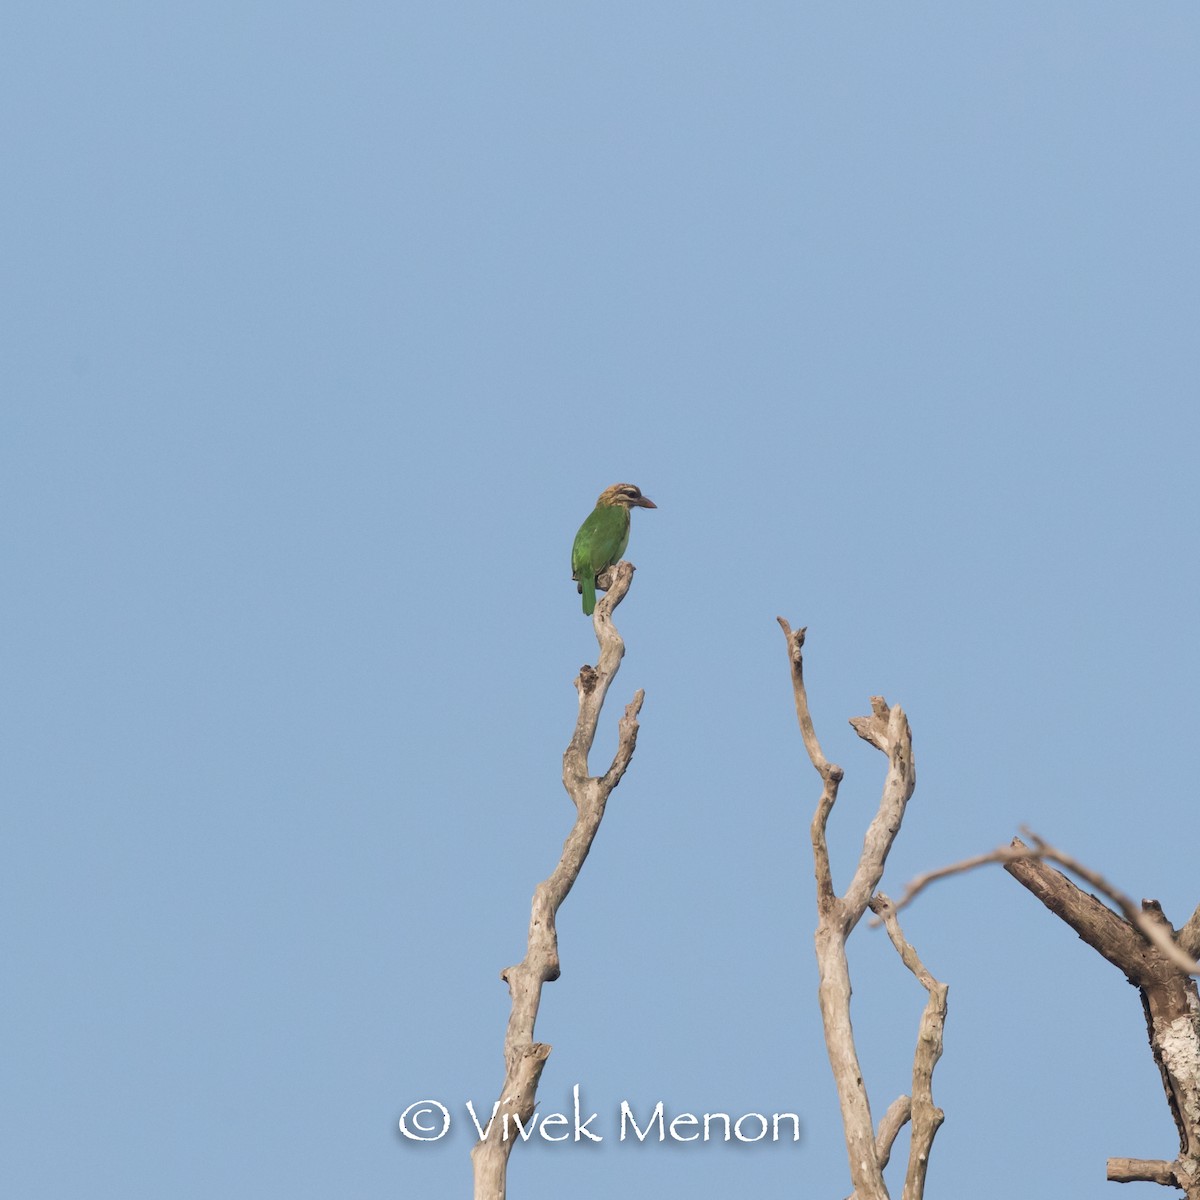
<point x="626" y="495"/>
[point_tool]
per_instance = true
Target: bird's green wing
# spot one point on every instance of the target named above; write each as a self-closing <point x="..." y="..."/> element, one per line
<point x="601" y="540"/>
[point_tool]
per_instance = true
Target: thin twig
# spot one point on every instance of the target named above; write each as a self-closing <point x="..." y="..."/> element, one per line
<point x="1154" y="931"/>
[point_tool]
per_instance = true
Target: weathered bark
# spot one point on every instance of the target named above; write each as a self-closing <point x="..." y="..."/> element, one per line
<point x="926" y="1117"/>
<point x="1169" y="999"/>
<point x="1180" y="950"/>
<point x="868" y="1151"/>
<point x="524" y="1058"/>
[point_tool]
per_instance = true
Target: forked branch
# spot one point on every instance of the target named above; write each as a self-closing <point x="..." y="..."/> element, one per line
<point x="524" y="1058"/>
<point x="868" y="1151"/>
<point x="1178" y="951"/>
<point x="1159" y="962"/>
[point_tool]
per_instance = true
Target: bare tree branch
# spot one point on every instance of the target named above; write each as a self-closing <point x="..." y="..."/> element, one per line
<point x="1142" y="1170"/>
<point x="808" y="731"/>
<point x="898" y="1114"/>
<point x="1169" y="995"/>
<point x="915" y="887"/>
<point x="1141" y="943"/>
<point x="1189" y="935"/>
<point x="1094" y="921"/>
<point x="524" y="1058"/>
<point x="1153" y="930"/>
<point x="868" y="1152"/>
<point x="887" y="730"/>
<point x="834" y="990"/>
<point x="926" y="1118"/>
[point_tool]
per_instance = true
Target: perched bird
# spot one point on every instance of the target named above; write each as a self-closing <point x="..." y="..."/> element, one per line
<point x="602" y="538"/>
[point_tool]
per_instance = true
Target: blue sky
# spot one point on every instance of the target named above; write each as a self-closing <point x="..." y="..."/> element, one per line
<point x="322" y="330"/>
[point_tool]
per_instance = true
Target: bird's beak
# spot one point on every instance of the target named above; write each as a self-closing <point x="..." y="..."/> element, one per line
<point x="645" y="502"/>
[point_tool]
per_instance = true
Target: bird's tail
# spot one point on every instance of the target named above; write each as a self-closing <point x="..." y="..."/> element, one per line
<point x="588" y="582"/>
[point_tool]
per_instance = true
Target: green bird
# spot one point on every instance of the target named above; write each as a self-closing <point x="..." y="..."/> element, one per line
<point x="602" y="538"/>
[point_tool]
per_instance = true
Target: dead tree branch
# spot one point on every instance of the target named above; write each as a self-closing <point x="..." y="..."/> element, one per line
<point x="926" y="1117"/>
<point x="887" y="730"/>
<point x="1142" y="1170"/>
<point x="1189" y="935"/>
<point x="1154" y="931"/>
<point x="1169" y="997"/>
<point x="898" y="1114"/>
<point x="524" y="1058"/>
<point x="1141" y="943"/>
